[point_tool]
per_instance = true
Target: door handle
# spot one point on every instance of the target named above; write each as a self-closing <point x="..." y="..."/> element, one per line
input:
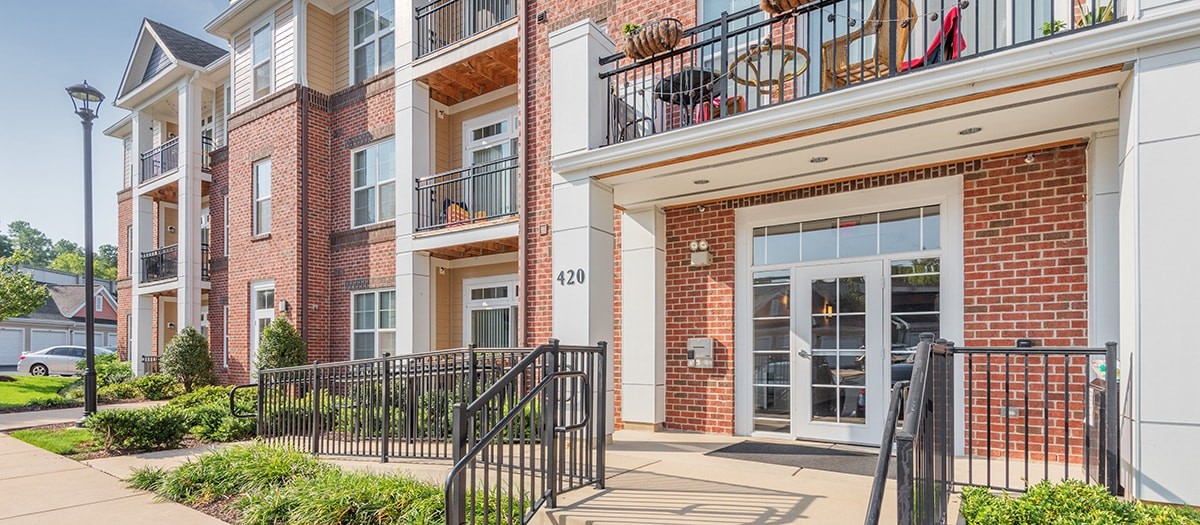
<point x="804" y="353"/>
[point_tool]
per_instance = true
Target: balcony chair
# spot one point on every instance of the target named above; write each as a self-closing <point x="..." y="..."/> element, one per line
<point x="624" y="121"/>
<point x="947" y="44"/>
<point x="836" y="71"/>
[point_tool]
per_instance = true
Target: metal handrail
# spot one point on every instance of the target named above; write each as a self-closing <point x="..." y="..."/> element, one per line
<point x="160" y="161"/>
<point x="482" y="192"/>
<point x="438" y="27"/>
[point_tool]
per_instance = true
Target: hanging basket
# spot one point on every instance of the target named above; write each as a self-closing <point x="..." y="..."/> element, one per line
<point x="779" y="7"/>
<point x="653" y="38"/>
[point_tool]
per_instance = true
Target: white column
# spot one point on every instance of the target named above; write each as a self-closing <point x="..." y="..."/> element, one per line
<point x="582" y="208"/>
<point x="1159" y="282"/>
<point x="189" y="182"/>
<point x="1105" y="199"/>
<point x="414" y="306"/>
<point x="141" y="307"/>
<point x="643" y="317"/>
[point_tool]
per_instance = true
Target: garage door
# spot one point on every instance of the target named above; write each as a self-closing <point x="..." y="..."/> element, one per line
<point x="12" y="342"/>
<point x="40" y="339"/>
<point x="79" y="337"/>
<point x="111" y="340"/>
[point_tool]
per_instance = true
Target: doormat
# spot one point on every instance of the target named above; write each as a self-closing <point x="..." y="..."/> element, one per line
<point x="805" y="456"/>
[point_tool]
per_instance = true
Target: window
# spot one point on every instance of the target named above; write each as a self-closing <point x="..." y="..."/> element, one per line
<point x="262" y="197"/>
<point x="260" y="42"/>
<point x="490" y="145"/>
<point x="129" y="335"/>
<point x="711" y="9"/>
<point x="896" y="231"/>
<point x="372" y="42"/>
<point x="100" y="304"/>
<point x="373" y="324"/>
<point x="225" y="225"/>
<point x="490" y="311"/>
<point x="129" y="261"/>
<point x="225" y="337"/>
<point x="374" y="183"/>
<point x="262" y="305"/>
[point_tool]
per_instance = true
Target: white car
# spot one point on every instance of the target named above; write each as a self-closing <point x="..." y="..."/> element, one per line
<point x="56" y="360"/>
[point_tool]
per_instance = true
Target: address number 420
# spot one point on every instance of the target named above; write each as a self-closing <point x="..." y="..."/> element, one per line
<point x="570" y="277"/>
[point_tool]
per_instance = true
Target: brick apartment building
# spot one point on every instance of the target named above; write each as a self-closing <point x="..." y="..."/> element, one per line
<point x="400" y="177"/>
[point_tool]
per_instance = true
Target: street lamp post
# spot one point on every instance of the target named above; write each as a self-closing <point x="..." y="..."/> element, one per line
<point x="87" y="101"/>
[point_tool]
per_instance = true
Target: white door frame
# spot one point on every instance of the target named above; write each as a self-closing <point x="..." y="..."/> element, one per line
<point x="257" y="312"/>
<point x="945" y="192"/>
<point x="508" y="114"/>
<point x="468" y="305"/>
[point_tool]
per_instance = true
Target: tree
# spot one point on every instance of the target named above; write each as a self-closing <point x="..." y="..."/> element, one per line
<point x="280" y="345"/>
<point x="30" y="240"/>
<point x="68" y="262"/>
<point x="186" y="357"/>
<point x="62" y="246"/>
<point x="107" y="253"/>
<point x="6" y="247"/>
<point x="19" y="294"/>
<point x="105" y="262"/>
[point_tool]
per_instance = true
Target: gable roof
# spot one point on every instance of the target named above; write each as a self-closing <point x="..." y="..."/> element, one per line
<point x="185" y="47"/>
<point x="65" y="301"/>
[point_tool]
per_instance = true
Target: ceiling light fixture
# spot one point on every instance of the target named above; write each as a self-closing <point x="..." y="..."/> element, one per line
<point x="970" y="131"/>
<point x="817" y="160"/>
<point x="1030" y="158"/>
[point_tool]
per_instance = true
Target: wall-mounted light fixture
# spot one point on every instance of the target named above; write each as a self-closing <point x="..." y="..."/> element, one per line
<point x="170" y="229"/>
<point x="1030" y="158"/>
<point x="700" y="256"/>
<point x="170" y="326"/>
<point x="282" y="305"/>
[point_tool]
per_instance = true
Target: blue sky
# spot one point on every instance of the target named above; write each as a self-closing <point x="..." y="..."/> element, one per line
<point x="44" y="47"/>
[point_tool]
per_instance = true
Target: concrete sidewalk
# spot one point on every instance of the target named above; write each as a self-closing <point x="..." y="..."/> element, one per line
<point x="36" y="418"/>
<point x="41" y="487"/>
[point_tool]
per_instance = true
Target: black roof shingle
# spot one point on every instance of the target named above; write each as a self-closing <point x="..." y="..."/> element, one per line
<point x="186" y="47"/>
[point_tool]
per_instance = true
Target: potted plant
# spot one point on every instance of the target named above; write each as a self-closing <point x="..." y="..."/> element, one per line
<point x="647" y="40"/>
<point x="779" y="7"/>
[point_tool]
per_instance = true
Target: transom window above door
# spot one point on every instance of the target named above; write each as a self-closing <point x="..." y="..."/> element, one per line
<point x="897" y="231"/>
<point x="372" y="39"/>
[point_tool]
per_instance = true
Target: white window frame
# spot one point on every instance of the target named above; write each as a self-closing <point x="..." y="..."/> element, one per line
<point x="375" y="328"/>
<point x="225" y="337"/>
<point x="269" y="26"/>
<point x="258" y="312"/>
<point x="510" y="302"/>
<point x="508" y="114"/>
<point x="129" y="260"/>
<point x="225" y="227"/>
<point x="256" y="198"/>
<point x="99" y="304"/>
<point x="387" y="143"/>
<point x="375" y="37"/>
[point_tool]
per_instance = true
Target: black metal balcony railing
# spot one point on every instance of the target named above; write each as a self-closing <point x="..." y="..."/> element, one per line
<point x="471" y="194"/>
<point x="149" y="364"/>
<point x="746" y="61"/>
<point x="161" y="264"/>
<point x="204" y="264"/>
<point x="441" y="23"/>
<point x="206" y="147"/>
<point x="160" y="161"/>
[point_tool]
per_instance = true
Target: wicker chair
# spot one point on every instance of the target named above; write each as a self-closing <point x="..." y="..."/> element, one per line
<point x="836" y="71"/>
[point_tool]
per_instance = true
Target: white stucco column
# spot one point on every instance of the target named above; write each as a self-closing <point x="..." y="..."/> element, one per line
<point x="188" y="291"/>
<point x="1103" y="253"/>
<point x="582" y="208"/>
<point x="142" y="217"/>
<point x="1159" y="135"/>
<point x="413" y="300"/>
<point x="643" y="319"/>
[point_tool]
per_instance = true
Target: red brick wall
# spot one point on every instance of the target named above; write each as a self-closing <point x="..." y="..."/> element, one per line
<point x="124" y="291"/>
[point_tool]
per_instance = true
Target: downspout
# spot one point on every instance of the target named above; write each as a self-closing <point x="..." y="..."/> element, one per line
<point x="304" y="308"/>
<point x="522" y="162"/>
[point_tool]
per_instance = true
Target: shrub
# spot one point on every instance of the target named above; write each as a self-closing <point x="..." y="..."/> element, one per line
<point x="201" y="396"/>
<point x="214" y="422"/>
<point x="147" y="478"/>
<point x="151" y="428"/>
<point x="110" y="369"/>
<point x="186" y="358"/>
<point x="117" y="392"/>
<point x="337" y="496"/>
<point x="1067" y="502"/>
<point x="232" y="471"/>
<point x="158" y="386"/>
<point x="279" y="346"/>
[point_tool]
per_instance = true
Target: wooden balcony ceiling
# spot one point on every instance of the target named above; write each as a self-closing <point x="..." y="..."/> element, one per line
<point x="476" y="249"/>
<point x="474" y="76"/>
<point x="170" y="192"/>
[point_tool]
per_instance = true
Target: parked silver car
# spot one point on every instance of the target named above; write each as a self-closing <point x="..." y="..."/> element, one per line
<point x="56" y="360"/>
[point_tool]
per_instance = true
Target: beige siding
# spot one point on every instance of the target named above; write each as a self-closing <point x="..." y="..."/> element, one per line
<point x="243" y="91"/>
<point x="127" y="173"/>
<point x="219" y="116"/>
<point x="341" y="51"/>
<point x="441" y="306"/>
<point x="285" y="47"/>
<point x="319" y="55"/>
<point x="442" y="144"/>
<point x="454" y="321"/>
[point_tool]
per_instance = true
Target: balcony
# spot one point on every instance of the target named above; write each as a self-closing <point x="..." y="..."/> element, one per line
<point x="160" y="161"/>
<point x="163" y="264"/>
<point x="747" y="61"/>
<point x="467" y="195"/>
<point x="442" y="23"/>
<point x="206" y="148"/>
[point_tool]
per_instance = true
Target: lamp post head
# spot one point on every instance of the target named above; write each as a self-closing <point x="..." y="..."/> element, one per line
<point x="86" y="99"/>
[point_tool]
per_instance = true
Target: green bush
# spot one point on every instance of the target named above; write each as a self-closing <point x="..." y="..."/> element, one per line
<point x="230" y="472"/>
<point x="214" y="422"/>
<point x="158" y="386"/>
<point x="1068" y="502"/>
<point x="279" y="346"/>
<point x="201" y="396"/>
<point x="186" y="358"/>
<point x="337" y="496"/>
<point x="110" y="369"/>
<point x="153" y="428"/>
<point x="117" y="392"/>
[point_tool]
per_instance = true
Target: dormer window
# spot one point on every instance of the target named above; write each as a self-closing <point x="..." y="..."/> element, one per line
<point x="261" y="54"/>
<point x="372" y="40"/>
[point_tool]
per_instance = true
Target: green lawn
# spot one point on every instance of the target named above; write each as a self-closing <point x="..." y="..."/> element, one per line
<point x="64" y="441"/>
<point x="28" y="390"/>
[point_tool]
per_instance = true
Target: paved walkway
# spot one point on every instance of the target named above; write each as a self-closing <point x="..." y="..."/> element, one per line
<point x="36" y="418"/>
<point x="41" y="487"/>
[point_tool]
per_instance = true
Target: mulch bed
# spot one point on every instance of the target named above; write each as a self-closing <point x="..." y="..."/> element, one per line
<point x="221" y="509"/>
<point x="38" y="408"/>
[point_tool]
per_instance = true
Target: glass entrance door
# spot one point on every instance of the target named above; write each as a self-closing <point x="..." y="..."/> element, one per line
<point x="839" y="355"/>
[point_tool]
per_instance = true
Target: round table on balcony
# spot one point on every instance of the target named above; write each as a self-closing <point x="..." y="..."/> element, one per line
<point x="769" y="67"/>
<point x="686" y="89"/>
